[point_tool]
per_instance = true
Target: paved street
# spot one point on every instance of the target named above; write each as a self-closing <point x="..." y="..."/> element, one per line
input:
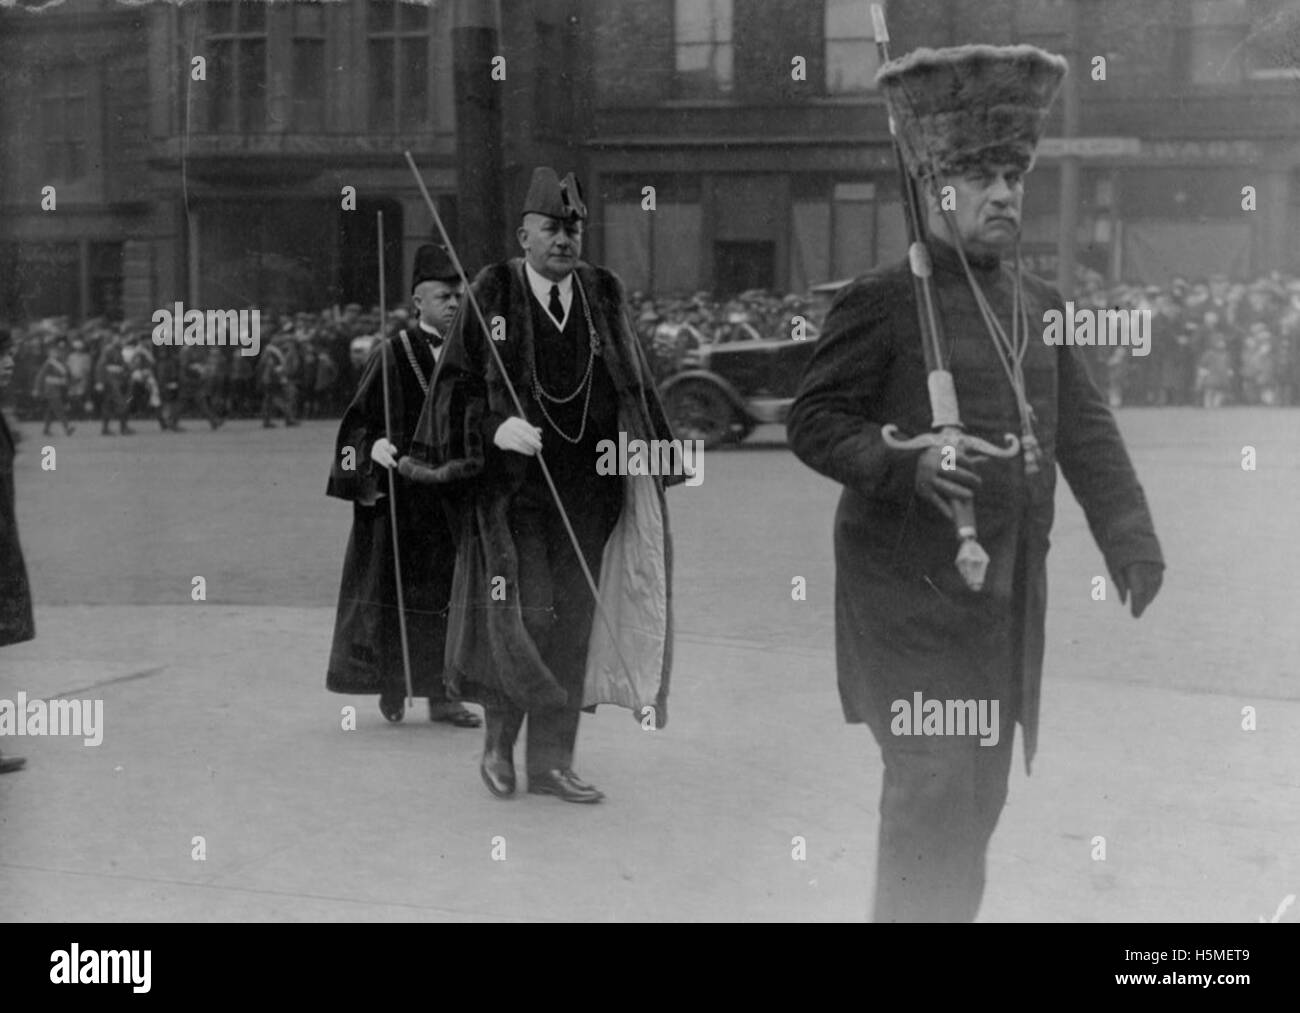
<point x="218" y="725"/>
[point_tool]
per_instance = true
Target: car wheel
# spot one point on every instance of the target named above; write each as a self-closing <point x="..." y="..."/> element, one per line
<point x="697" y="410"/>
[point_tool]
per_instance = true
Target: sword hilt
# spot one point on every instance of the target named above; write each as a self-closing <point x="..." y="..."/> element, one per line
<point x="972" y="561"/>
<point x="949" y="438"/>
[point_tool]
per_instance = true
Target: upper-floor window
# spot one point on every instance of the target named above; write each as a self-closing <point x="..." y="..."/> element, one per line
<point x="1214" y="35"/>
<point x="65" y="123"/>
<point x="851" y="57"/>
<point x="398" y="34"/>
<point x="702" y="34"/>
<point x="1043" y="23"/>
<point x="236" y="72"/>
<point x="309" y="66"/>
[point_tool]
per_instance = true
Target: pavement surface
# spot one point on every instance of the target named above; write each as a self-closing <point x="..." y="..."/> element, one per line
<point x="217" y="724"/>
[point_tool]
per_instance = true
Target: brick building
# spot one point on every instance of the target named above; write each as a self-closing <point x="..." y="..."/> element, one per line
<point x="764" y="180"/>
<point x="227" y="191"/>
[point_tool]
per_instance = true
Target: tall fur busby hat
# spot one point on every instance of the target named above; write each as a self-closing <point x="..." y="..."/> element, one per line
<point x="970" y="105"/>
<point x="554" y="197"/>
<point x="432" y="264"/>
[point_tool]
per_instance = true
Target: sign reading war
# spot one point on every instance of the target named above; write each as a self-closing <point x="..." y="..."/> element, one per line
<point x="215" y="327"/>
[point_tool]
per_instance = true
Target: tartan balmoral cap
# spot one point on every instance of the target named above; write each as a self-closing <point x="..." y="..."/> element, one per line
<point x="970" y="105"/>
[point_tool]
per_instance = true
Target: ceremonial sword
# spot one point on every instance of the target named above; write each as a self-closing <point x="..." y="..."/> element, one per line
<point x="946" y="428"/>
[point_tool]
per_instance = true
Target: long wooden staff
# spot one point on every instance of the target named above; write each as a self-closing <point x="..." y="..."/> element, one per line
<point x="384" y="344"/>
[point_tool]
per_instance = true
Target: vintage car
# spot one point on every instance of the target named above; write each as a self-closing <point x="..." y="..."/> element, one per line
<point x="725" y="389"/>
<point x="742" y="380"/>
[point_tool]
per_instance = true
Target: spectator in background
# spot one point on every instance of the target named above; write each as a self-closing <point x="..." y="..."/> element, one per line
<point x="112" y="380"/>
<point x="212" y="380"/>
<point x="167" y="386"/>
<point x="80" y="364"/>
<point x="50" y="387"/>
<point x="308" y="365"/>
<point x="1214" y="371"/>
<point x="327" y="376"/>
<point x="278" y="371"/>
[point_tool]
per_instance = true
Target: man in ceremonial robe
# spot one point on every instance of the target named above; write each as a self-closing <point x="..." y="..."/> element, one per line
<point x="525" y="638"/>
<point x="366" y="656"/>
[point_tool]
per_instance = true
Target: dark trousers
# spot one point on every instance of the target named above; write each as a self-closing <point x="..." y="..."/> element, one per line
<point x="115" y="404"/>
<point x="558" y="607"/>
<point x="211" y="406"/>
<point x="56" y="407"/>
<point x="939" y="803"/>
<point x="279" y="399"/>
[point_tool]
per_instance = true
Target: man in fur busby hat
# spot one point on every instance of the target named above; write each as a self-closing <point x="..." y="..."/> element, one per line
<point x="917" y="647"/>
<point x="525" y="636"/>
<point x="366" y="656"/>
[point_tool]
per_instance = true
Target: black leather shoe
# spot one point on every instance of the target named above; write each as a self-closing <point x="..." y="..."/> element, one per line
<point x="453" y="714"/>
<point x="392" y="706"/>
<point x="10" y="763"/>
<point x="498" y="772"/>
<point x="564" y="784"/>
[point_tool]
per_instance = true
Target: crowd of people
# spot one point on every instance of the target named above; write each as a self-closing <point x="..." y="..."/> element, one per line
<point x="1213" y="342"/>
<point x="306" y="367"/>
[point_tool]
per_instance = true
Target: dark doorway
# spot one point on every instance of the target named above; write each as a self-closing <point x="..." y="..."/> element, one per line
<point x="358" y="274"/>
<point x="740" y="266"/>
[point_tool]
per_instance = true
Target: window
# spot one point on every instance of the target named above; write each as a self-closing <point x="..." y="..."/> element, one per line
<point x="308" y="67"/>
<point x="236" y="45"/>
<point x="399" y="65"/>
<point x="704" y="51"/>
<point x="550" y="100"/>
<point x="1214" y="41"/>
<point x="1043" y="23"/>
<point x="106" y="271"/>
<point x="64" y="124"/>
<point x="851" y="57"/>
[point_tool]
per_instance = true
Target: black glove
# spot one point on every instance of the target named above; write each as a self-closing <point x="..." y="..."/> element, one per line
<point x="936" y="484"/>
<point x="1144" y="579"/>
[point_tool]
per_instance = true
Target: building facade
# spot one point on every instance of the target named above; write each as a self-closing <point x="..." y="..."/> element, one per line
<point x="232" y="154"/>
<point x="758" y="124"/>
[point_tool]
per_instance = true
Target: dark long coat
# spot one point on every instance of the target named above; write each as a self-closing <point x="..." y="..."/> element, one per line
<point x="16" y="623"/>
<point x="366" y="654"/>
<point x="904" y="619"/>
<point x="489" y="651"/>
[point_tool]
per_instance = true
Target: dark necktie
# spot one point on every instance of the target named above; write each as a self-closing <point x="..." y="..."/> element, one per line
<point x="557" y="310"/>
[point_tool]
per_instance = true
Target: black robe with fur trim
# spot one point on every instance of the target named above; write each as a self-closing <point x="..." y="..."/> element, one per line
<point x="16" y="623"/>
<point x="366" y="655"/>
<point x="489" y="651"/>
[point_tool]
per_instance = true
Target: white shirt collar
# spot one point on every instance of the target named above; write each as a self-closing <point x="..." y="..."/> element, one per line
<point x="435" y="350"/>
<point x="542" y="291"/>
